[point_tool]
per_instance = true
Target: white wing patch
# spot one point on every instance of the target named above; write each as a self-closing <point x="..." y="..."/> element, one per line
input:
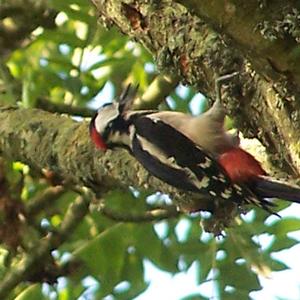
<point x="203" y="183"/>
<point x="157" y="153"/>
<point x="213" y="193"/>
<point x="171" y="162"/>
<point x="206" y="164"/>
<point x="226" y="194"/>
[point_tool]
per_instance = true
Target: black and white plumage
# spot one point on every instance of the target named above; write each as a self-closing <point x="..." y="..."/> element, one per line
<point x="190" y="153"/>
<point x="168" y="153"/>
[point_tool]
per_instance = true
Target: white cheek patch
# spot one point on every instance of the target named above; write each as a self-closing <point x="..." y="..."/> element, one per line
<point x="105" y="115"/>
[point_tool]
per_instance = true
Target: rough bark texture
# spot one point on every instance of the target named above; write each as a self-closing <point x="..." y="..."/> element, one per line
<point x="61" y="145"/>
<point x="263" y="102"/>
<point x="267" y="32"/>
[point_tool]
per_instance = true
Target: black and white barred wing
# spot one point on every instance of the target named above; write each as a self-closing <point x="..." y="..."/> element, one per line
<point x="172" y="157"/>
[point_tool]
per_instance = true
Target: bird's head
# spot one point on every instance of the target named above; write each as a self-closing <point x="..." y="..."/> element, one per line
<point x="108" y="126"/>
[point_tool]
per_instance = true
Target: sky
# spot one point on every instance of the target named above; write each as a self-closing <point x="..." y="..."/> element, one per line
<point x="284" y="284"/>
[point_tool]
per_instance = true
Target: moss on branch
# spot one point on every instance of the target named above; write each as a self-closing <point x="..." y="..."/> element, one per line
<point x="267" y="33"/>
<point x="57" y="143"/>
<point x="199" y="48"/>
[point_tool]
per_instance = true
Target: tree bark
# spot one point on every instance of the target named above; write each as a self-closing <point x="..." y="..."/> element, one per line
<point x="60" y="145"/>
<point x="183" y="45"/>
<point x="185" y="41"/>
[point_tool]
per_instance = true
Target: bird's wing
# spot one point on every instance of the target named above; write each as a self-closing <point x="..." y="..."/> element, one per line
<point x="175" y="159"/>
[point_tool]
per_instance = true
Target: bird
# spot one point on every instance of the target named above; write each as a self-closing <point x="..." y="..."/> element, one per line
<point x="191" y="153"/>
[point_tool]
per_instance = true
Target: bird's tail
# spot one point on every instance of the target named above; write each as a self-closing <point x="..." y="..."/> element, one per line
<point x="266" y="187"/>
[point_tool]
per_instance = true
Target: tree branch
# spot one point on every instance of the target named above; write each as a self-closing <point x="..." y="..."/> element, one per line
<point x="159" y="88"/>
<point x="25" y="20"/>
<point x="183" y="44"/>
<point x="49" y="141"/>
<point x="44" y="199"/>
<point x="61" y="108"/>
<point x="269" y="36"/>
<point x="148" y="216"/>
<point x="34" y="260"/>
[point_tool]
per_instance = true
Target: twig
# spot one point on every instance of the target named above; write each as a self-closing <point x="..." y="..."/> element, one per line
<point x="63" y="108"/>
<point x="221" y="80"/>
<point x="148" y="216"/>
<point x="33" y="260"/>
<point x="44" y="199"/>
<point x="159" y="88"/>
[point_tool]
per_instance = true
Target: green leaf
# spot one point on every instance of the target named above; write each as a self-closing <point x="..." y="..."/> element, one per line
<point x="29" y="92"/>
<point x="105" y="62"/>
<point x="33" y="292"/>
<point x="238" y="276"/>
<point x="73" y="84"/>
<point x="64" y="37"/>
<point x="278" y="265"/>
<point x="133" y="272"/>
<point x="282" y="242"/>
<point x="204" y="253"/>
<point x="236" y="294"/>
<point x="284" y="226"/>
<point x="206" y="259"/>
<point x="195" y="297"/>
<point x="71" y="291"/>
<point x="148" y="244"/>
<point x="104" y="256"/>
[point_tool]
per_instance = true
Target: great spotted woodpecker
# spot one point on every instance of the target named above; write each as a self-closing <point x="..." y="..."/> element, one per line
<point x="191" y="153"/>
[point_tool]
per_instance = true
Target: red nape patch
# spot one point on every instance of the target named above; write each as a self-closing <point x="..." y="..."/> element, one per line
<point x="240" y="165"/>
<point x="97" y="139"/>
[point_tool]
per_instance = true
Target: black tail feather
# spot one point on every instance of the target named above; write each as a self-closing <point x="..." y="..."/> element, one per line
<point x="266" y="187"/>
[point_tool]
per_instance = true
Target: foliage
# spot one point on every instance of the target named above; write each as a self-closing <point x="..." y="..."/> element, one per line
<point x="72" y="65"/>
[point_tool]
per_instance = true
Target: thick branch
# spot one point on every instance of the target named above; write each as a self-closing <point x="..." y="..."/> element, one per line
<point x="43" y="200"/>
<point x="159" y="88"/>
<point x="64" y="108"/>
<point x="269" y="35"/>
<point x="184" y="44"/>
<point x="26" y="18"/>
<point x="44" y="140"/>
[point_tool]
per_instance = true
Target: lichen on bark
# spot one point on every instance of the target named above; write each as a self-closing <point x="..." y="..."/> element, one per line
<point x="63" y="146"/>
<point x="203" y="40"/>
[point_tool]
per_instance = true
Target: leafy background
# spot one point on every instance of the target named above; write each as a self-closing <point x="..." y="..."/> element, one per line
<point x="76" y="65"/>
